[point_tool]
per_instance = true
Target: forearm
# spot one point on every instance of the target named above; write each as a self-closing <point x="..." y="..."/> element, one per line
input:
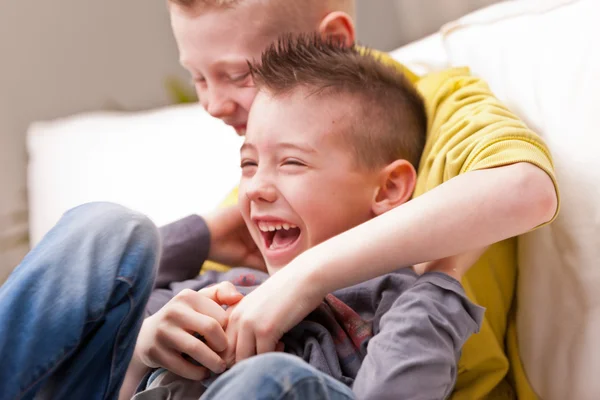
<point x="468" y="212"/>
<point x="186" y="245"/>
<point x="135" y="373"/>
<point x="415" y="354"/>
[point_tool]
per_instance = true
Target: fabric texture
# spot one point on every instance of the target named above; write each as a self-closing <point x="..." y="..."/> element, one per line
<point x="469" y="129"/>
<point x="378" y="337"/>
<point x="540" y="60"/>
<point x="268" y="376"/>
<point x="71" y="311"/>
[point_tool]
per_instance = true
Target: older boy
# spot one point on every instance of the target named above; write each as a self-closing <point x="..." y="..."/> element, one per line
<point x="79" y="296"/>
<point x="333" y="140"/>
<point x="487" y="177"/>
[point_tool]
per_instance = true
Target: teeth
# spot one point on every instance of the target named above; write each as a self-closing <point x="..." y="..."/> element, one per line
<point x="266" y="227"/>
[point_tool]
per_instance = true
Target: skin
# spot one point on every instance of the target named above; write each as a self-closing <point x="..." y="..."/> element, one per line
<point x="303" y="176"/>
<point x="452" y="224"/>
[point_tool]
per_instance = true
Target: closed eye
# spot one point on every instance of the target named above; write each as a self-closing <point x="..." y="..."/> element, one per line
<point x="240" y="78"/>
<point x="294" y="162"/>
<point x="248" y="163"/>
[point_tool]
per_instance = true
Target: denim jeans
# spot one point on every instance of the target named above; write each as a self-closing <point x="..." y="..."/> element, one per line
<point x="71" y="311"/>
<point x="276" y="376"/>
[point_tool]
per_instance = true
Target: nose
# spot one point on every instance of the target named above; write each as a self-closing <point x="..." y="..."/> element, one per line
<point x="260" y="189"/>
<point x="218" y="103"/>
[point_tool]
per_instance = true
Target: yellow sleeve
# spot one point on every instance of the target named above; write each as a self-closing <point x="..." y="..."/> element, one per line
<point x="469" y="129"/>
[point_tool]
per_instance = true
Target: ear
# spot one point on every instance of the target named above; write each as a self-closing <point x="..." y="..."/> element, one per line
<point x="397" y="183"/>
<point x="338" y="25"/>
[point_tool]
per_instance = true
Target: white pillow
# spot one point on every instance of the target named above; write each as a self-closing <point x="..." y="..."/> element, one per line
<point x="423" y="56"/>
<point x="542" y="59"/>
<point x="166" y="163"/>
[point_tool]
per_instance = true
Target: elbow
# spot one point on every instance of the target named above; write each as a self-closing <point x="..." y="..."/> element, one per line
<point x="538" y="200"/>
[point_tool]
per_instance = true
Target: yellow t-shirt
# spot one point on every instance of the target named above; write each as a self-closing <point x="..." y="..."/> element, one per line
<point x="469" y="129"/>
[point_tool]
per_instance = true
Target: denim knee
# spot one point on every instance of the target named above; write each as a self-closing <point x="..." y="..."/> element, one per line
<point x="115" y="230"/>
<point x="277" y="375"/>
<point x="111" y="218"/>
<point x="274" y="362"/>
<point x="282" y="369"/>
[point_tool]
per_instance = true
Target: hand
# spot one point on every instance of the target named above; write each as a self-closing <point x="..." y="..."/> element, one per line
<point x="455" y="266"/>
<point x="169" y="333"/>
<point x="260" y="319"/>
<point x="231" y="243"/>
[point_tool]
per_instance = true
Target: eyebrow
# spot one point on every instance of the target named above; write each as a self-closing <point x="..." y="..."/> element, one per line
<point x="285" y="145"/>
<point x="234" y="62"/>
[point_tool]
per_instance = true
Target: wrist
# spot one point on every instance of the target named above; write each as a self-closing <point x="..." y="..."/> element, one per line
<point x="448" y="266"/>
<point x="307" y="271"/>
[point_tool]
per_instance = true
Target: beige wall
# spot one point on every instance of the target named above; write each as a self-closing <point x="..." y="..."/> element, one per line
<point x="67" y="56"/>
<point x="389" y="24"/>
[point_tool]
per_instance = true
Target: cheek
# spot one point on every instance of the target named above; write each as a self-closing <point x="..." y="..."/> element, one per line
<point x="332" y="211"/>
<point x="243" y="201"/>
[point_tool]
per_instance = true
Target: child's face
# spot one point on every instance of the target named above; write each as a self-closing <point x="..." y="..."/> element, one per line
<point x="214" y="46"/>
<point x="298" y="173"/>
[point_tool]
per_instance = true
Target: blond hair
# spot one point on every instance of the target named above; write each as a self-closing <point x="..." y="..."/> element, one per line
<point x="389" y="121"/>
<point x="292" y="7"/>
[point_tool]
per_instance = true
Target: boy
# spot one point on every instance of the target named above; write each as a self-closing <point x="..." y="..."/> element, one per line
<point x="333" y="140"/>
<point x="488" y="178"/>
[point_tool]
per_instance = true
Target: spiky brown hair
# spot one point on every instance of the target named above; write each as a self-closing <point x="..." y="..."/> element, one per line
<point x="389" y="121"/>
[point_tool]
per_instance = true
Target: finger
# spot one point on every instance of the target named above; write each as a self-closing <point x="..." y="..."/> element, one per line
<point x="176" y="364"/>
<point x="183" y="342"/>
<point x="280" y="348"/>
<point x="223" y="293"/>
<point x="207" y="327"/>
<point x="204" y="305"/>
<point x="229" y="357"/>
<point x="245" y="346"/>
<point x="265" y="345"/>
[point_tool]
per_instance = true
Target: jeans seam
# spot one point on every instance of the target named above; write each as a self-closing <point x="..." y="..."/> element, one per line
<point x="114" y="352"/>
<point x="308" y="379"/>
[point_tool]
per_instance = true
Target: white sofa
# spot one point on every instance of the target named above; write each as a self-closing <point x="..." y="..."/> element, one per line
<point x="539" y="56"/>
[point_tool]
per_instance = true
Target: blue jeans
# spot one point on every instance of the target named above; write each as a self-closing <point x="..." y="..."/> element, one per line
<point x="276" y="376"/>
<point x="71" y="311"/>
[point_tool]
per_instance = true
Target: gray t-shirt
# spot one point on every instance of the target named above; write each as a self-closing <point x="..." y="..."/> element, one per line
<point x="395" y="336"/>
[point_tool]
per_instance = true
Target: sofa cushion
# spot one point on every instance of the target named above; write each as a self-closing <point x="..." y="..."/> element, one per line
<point x="541" y="58"/>
<point x="166" y="163"/>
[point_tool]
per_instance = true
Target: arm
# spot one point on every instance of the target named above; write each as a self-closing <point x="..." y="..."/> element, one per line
<point x="466" y="213"/>
<point x="415" y="353"/>
<point x="484" y="177"/>
<point x="186" y="244"/>
<point x="221" y="237"/>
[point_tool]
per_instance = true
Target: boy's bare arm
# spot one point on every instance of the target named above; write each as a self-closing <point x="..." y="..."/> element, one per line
<point x="467" y="213"/>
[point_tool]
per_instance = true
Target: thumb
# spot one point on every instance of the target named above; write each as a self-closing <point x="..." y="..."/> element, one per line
<point x="223" y="293"/>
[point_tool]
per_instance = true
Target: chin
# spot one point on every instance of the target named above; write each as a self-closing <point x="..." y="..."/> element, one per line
<point x="271" y="270"/>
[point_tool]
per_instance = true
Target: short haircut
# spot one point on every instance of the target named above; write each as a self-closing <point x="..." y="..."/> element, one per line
<point x="390" y="121"/>
<point x="290" y="9"/>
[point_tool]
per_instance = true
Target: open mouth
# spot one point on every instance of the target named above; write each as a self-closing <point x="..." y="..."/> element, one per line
<point x="278" y="236"/>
